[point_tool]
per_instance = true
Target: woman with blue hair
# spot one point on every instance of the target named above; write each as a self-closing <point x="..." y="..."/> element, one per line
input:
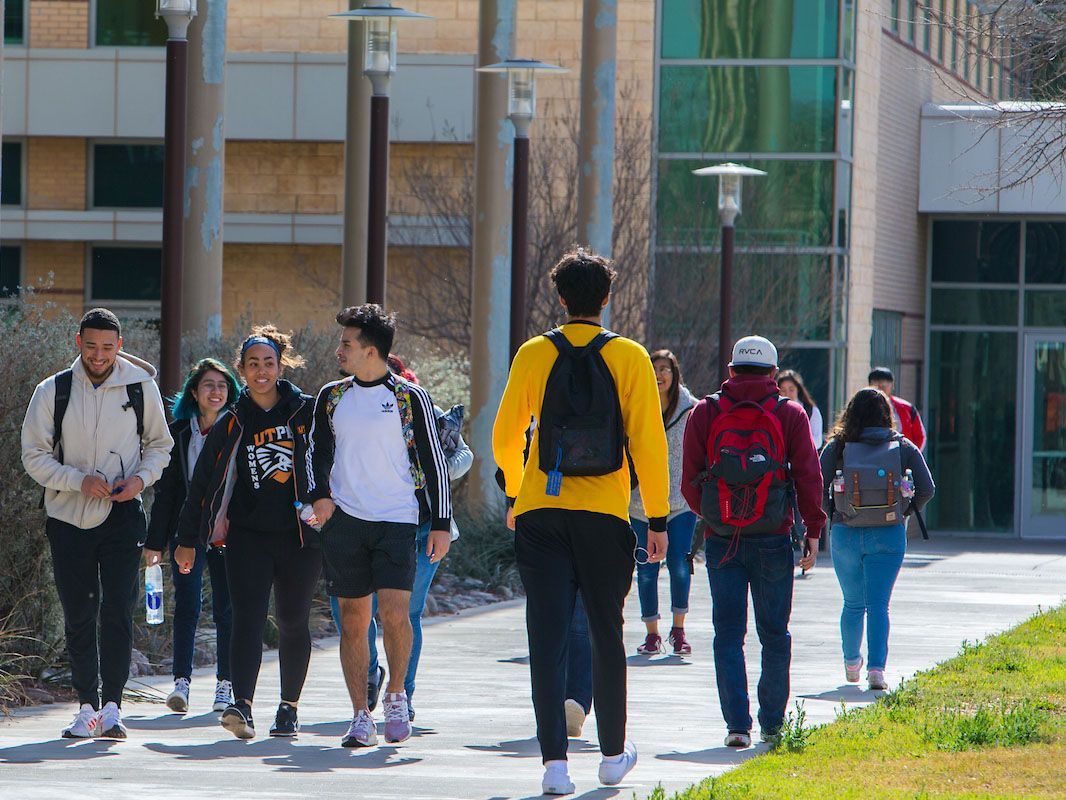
<point x="209" y="388"/>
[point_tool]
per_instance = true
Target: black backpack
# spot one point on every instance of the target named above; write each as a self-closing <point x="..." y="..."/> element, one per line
<point x="580" y="426"/>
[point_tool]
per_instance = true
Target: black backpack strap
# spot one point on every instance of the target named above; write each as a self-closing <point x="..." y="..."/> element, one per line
<point x="562" y="344"/>
<point x="599" y="340"/>
<point x="64" y="384"/>
<point x="135" y="395"/>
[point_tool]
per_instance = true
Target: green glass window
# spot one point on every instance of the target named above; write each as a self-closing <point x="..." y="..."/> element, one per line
<point x="14" y="21"/>
<point x="1045" y="309"/>
<point x="747" y="109"/>
<point x="10" y="270"/>
<point x="128" y="175"/>
<point x="122" y="23"/>
<point x="971" y="426"/>
<point x="1045" y="252"/>
<point x="11" y="174"/>
<point x="716" y="29"/>
<point x="893" y="14"/>
<point x="791" y="206"/>
<point x="126" y="273"/>
<point x="974" y="307"/>
<point x="813" y="366"/>
<point x="975" y="252"/>
<point x="849" y="30"/>
<point x="886" y="339"/>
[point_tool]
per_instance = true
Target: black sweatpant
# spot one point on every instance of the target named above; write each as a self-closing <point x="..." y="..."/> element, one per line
<point x="255" y="562"/>
<point x="559" y="552"/>
<point x="96" y="579"/>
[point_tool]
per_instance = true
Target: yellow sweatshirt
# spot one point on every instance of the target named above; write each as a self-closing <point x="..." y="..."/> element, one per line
<point x="638" y="395"/>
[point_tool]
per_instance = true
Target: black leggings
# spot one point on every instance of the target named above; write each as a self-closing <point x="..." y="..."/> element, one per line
<point x="255" y="562"/>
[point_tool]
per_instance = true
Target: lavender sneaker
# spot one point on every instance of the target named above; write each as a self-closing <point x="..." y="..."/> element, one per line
<point x="362" y="732"/>
<point x="397" y="721"/>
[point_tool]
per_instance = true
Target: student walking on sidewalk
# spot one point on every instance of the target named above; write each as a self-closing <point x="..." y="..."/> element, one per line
<point x="95" y="437"/>
<point x="209" y="389"/>
<point x="905" y="416"/>
<point x="677" y="403"/>
<point x="740" y="445"/>
<point x="242" y="494"/>
<point x="378" y="471"/>
<point x="588" y="390"/>
<point x="867" y="489"/>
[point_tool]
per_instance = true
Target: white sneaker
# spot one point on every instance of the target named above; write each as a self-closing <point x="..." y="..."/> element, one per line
<point x="178" y="700"/>
<point x="362" y="732"/>
<point x="738" y="739"/>
<point x="111" y="726"/>
<point x="556" y="779"/>
<point x="223" y="696"/>
<point x="575" y="718"/>
<point x="613" y="769"/>
<point x="86" y="724"/>
<point x="876" y="680"/>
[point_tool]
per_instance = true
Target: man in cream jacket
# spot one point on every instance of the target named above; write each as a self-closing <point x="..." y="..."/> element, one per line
<point x="93" y="476"/>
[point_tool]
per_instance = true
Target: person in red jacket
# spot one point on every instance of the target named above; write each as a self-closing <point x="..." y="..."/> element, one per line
<point x="761" y="562"/>
<point x="908" y="420"/>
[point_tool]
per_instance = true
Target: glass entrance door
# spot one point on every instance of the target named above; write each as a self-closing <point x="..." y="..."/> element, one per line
<point x="1044" y="438"/>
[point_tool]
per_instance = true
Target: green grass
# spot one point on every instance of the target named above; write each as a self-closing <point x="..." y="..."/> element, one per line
<point x="989" y="723"/>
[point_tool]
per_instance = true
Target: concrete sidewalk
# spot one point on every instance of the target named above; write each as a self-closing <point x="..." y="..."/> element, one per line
<point x="474" y="733"/>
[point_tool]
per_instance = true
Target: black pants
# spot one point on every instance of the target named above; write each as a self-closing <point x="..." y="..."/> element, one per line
<point x="255" y="562"/>
<point x="96" y="579"/>
<point x="558" y="553"/>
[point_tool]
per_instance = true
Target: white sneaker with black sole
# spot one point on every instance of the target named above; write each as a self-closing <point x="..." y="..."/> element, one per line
<point x="178" y="700"/>
<point x="223" y="696"/>
<point x="111" y="725"/>
<point x="86" y="724"/>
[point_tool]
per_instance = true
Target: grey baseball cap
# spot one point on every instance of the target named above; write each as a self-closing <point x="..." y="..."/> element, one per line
<point x="754" y="351"/>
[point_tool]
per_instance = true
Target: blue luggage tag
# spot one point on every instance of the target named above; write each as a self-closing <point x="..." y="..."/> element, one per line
<point x="555" y="477"/>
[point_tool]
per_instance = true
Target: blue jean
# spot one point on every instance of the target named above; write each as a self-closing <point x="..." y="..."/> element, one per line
<point x="425" y="570"/>
<point x="867" y="562"/>
<point x="188" y="602"/>
<point x="679" y="539"/>
<point x="763" y="564"/>
<point x="579" y="658"/>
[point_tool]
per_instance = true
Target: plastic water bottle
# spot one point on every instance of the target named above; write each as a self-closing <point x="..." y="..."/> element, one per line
<point x="153" y="595"/>
<point x="838" y="482"/>
<point x="906" y="486"/>
<point x="307" y="515"/>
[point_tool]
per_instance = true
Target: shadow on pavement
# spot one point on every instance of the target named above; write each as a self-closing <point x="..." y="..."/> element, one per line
<point x="602" y="793"/>
<point x="530" y="748"/>
<point x="847" y="693"/>
<point x="58" y="750"/>
<point x="172" y="722"/>
<point x="338" y="729"/>
<point x="515" y="660"/>
<point x="664" y="661"/>
<point x="287" y="756"/>
<point x="725" y="756"/>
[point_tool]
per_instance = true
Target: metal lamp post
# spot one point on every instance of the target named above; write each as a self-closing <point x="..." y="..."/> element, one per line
<point x="521" y="107"/>
<point x="379" y="26"/>
<point x="178" y="15"/>
<point x="730" y="176"/>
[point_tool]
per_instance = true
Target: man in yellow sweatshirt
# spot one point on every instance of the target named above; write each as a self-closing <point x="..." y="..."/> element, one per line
<point x="573" y="532"/>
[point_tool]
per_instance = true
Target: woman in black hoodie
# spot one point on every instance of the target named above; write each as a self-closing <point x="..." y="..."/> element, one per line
<point x="242" y="495"/>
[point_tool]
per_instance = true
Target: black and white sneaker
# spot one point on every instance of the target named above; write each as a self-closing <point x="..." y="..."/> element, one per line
<point x="285" y="722"/>
<point x="111" y="725"/>
<point x="237" y="719"/>
<point x="373" y="690"/>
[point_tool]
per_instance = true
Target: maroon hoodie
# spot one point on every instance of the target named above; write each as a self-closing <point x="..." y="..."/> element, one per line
<point x="799" y="449"/>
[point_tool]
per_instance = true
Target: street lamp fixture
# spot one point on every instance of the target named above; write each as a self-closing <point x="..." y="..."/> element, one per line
<point x="730" y="178"/>
<point x="379" y="29"/>
<point x="521" y="108"/>
<point x="178" y="15"/>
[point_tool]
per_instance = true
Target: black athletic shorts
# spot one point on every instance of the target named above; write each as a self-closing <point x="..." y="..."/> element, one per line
<point x="361" y="557"/>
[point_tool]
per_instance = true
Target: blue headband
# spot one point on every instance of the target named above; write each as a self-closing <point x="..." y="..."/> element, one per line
<point x="254" y="340"/>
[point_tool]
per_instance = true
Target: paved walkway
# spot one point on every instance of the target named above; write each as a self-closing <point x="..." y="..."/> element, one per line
<point x="474" y="732"/>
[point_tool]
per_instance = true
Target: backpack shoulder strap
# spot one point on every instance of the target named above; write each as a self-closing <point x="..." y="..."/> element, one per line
<point x="562" y="344"/>
<point x="716" y="401"/>
<point x="64" y="384"/>
<point x="135" y="395"/>
<point x="599" y="341"/>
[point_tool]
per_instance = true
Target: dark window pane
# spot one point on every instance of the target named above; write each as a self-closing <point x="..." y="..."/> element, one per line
<point x="1045" y="309"/>
<point x="10" y="269"/>
<point x="11" y="174"/>
<point x="14" y="21"/>
<point x="971" y="427"/>
<point x="747" y="109"/>
<point x="126" y="273"/>
<point x="792" y="205"/>
<point x="975" y="252"/>
<point x="128" y="175"/>
<point x="713" y="29"/>
<point x="886" y="340"/>
<point x="127" y="23"/>
<point x="813" y="366"/>
<point x="974" y="307"/>
<point x="1045" y="252"/>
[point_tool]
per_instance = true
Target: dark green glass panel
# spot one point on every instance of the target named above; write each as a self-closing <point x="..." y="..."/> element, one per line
<point x="10" y="279"/>
<point x="813" y="366"/>
<point x="974" y="307"/>
<point x="849" y="30"/>
<point x="14" y="21"/>
<point x="1045" y="309"/>
<point x="971" y="429"/>
<point x="11" y="174"/>
<point x="728" y="29"/>
<point x="747" y="109"/>
<point x="123" y="23"/>
<point x="975" y="252"/>
<point x="127" y="273"/>
<point x="792" y="205"/>
<point x="128" y="175"/>
<point x="1045" y="252"/>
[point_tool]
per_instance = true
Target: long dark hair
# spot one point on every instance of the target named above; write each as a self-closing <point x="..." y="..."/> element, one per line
<point x="673" y="394"/>
<point x="183" y="404"/>
<point x="869" y="408"/>
<point x="804" y="396"/>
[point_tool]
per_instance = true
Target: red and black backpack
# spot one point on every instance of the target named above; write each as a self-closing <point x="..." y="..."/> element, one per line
<point x="746" y="482"/>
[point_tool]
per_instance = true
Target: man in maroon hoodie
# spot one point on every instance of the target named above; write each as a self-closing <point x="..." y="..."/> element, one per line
<point x="762" y="562"/>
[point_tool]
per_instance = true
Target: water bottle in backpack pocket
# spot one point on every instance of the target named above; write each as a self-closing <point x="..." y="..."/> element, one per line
<point x="871" y="494"/>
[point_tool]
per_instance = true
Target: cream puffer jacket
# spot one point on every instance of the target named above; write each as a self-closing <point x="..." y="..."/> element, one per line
<point x="99" y="438"/>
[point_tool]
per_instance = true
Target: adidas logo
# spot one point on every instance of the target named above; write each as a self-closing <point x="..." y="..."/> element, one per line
<point x="388" y="408"/>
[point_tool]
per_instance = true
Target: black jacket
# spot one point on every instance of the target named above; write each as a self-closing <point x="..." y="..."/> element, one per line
<point x="170" y="489"/>
<point x="203" y="518"/>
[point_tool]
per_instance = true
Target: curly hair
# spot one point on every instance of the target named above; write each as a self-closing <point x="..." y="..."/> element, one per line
<point x="283" y="341"/>
<point x="583" y="280"/>
<point x="377" y="327"/>
<point x="183" y="404"/>
<point x="869" y="408"/>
